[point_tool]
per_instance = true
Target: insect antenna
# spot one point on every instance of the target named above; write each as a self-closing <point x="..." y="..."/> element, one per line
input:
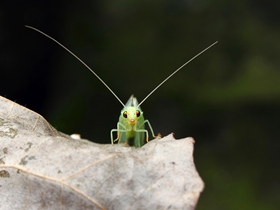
<point x="35" y="29"/>
<point x="160" y="84"/>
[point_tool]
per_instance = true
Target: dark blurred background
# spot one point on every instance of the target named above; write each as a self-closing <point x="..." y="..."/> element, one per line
<point x="228" y="99"/>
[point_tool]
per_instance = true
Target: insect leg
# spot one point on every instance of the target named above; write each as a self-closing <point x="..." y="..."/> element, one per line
<point x="139" y="144"/>
<point x="118" y="130"/>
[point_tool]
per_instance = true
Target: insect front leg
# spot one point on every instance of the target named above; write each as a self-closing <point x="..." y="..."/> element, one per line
<point x="139" y="137"/>
<point x="120" y="129"/>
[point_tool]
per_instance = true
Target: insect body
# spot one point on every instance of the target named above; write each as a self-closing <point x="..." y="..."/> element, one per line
<point x="131" y="126"/>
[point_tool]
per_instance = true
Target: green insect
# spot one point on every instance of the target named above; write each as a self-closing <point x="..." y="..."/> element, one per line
<point x="131" y="126"/>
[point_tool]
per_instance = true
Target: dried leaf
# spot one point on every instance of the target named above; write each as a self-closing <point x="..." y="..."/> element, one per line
<point x="41" y="168"/>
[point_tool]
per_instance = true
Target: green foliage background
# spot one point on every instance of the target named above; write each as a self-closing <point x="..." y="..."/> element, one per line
<point x="227" y="99"/>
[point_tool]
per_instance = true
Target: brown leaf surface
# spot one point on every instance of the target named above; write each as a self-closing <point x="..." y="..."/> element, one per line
<point x="41" y="168"/>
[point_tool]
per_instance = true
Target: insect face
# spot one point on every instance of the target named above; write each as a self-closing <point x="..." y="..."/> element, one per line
<point x="131" y="114"/>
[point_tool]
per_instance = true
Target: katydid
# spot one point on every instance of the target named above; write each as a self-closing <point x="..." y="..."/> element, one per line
<point x="131" y="126"/>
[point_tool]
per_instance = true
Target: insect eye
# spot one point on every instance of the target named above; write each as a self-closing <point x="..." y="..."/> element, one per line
<point x="125" y="114"/>
<point x="137" y="113"/>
